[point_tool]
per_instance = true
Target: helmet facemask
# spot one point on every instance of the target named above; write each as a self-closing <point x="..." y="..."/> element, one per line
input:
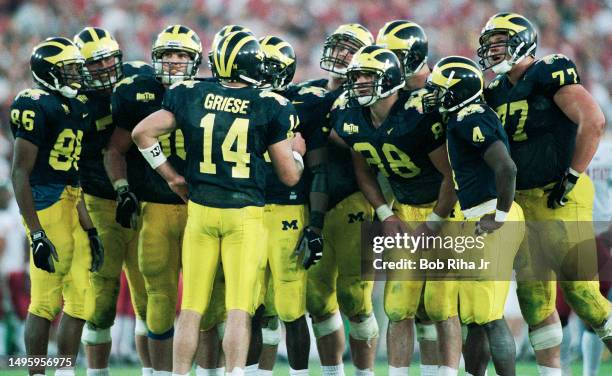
<point x="275" y="74"/>
<point x="67" y="77"/>
<point x="410" y="62"/>
<point x="172" y="71"/>
<point x="512" y="53"/>
<point x="370" y="92"/>
<point x="103" y="77"/>
<point x="338" y="51"/>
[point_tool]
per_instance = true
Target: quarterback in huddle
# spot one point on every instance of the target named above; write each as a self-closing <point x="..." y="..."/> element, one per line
<point x="255" y="191"/>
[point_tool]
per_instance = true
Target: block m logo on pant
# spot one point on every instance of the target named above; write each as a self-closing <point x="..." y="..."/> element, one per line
<point x="293" y="225"/>
<point x="355" y="217"/>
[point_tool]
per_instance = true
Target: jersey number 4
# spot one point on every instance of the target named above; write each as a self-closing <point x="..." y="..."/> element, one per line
<point x="237" y="135"/>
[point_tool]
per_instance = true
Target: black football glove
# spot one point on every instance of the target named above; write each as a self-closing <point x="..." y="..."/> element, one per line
<point x="97" y="249"/>
<point x="43" y="251"/>
<point x="557" y="197"/>
<point x="127" y="208"/>
<point x="311" y="247"/>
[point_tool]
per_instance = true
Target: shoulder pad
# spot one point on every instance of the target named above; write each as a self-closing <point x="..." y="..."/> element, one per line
<point x="341" y="102"/>
<point x="126" y="81"/>
<point x="493" y="84"/>
<point x="33" y="94"/>
<point x="314" y="90"/>
<point x="475" y="108"/>
<point x="136" y="63"/>
<point x="415" y="100"/>
<point x="279" y="98"/>
<point x="550" y="59"/>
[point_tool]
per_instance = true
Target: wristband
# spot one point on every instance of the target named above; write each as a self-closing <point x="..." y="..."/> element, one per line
<point x="36" y="235"/>
<point x="383" y="212"/>
<point x="500" y="216"/>
<point x="573" y="175"/>
<point x="120" y="183"/>
<point x="298" y="158"/>
<point x="434" y="221"/>
<point x="154" y="155"/>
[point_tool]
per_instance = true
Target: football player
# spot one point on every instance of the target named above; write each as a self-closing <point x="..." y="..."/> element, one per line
<point x="228" y="125"/>
<point x="48" y="123"/>
<point x="176" y="54"/>
<point x="334" y="283"/>
<point x="484" y="176"/>
<point x="286" y="217"/>
<point x="409" y="43"/>
<point x="391" y="133"/>
<point x="105" y="68"/>
<point x="554" y="127"/>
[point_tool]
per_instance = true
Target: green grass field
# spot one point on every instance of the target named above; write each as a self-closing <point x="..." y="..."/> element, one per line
<point x="523" y="369"/>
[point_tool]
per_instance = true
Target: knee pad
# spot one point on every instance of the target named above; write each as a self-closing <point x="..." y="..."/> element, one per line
<point x="140" y="328"/>
<point x="327" y="326"/>
<point x="94" y="336"/>
<point x="221" y="330"/>
<point x="365" y="330"/>
<point x="163" y="336"/>
<point x="271" y="333"/>
<point x="426" y="332"/>
<point x="160" y="313"/>
<point x="605" y="332"/>
<point x="546" y="337"/>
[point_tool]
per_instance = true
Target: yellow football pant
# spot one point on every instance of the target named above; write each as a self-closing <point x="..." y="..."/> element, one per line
<point x="555" y="233"/>
<point x="71" y="278"/>
<point x="120" y="250"/>
<point x="234" y="237"/>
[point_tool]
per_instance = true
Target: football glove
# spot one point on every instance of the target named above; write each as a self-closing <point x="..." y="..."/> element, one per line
<point x="97" y="249"/>
<point x="43" y="251"/>
<point x="557" y="197"/>
<point x="127" y="208"/>
<point x="310" y="247"/>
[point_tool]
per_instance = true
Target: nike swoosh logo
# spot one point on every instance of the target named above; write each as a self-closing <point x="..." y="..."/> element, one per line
<point x="296" y="102"/>
<point x="389" y="131"/>
<point x="38" y="246"/>
<point x="85" y="115"/>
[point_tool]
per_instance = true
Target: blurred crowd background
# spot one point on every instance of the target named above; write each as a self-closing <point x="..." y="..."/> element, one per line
<point x="580" y="29"/>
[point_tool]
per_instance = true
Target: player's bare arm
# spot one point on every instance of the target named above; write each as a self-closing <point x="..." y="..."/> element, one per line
<point x="336" y="139"/>
<point x="317" y="163"/>
<point x="580" y="107"/>
<point x="446" y="197"/>
<point x="114" y="157"/>
<point x="24" y="157"/>
<point x="145" y="136"/>
<point x="288" y="168"/>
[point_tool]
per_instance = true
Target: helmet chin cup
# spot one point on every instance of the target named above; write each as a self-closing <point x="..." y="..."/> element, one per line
<point x="366" y="100"/>
<point x="68" y="91"/>
<point x="501" y="68"/>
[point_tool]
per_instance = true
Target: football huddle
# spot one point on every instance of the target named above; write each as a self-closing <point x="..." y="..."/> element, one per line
<point x="255" y="190"/>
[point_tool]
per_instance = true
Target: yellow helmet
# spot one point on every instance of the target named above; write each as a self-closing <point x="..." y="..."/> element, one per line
<point x="340" y="46"/>
<point x="57" y="64"/>
<point x="279" y="61"/>
<point x="177" y="38"/>
<point x="96" y="45"/>
<point x="408" y="41"/>
<point x="224" y="31"/>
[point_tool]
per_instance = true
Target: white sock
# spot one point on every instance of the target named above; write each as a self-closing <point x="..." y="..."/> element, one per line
<point x="292" y="372"/>
<point x="181" y="374"/>
<point x="548" y="371"/>
<point x="162" y="373"/>
<point x="147" y="371"/>
<point x="237" y="371"/>
<point x="337" y="370"/>
<point x="398" y="371"/>
<point x="447" y="371"/>
<point x="429" y="369"/>
<point x="251" y="370"/>
<point x="97" y="372"/>
<point x="265" y="372"/>
<point x="64" y="372"/>
<point x="592" y="347"/>
<point x="207" y="371"/>
<point x="363" y="372"/>
<point x="221" y="371"/>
